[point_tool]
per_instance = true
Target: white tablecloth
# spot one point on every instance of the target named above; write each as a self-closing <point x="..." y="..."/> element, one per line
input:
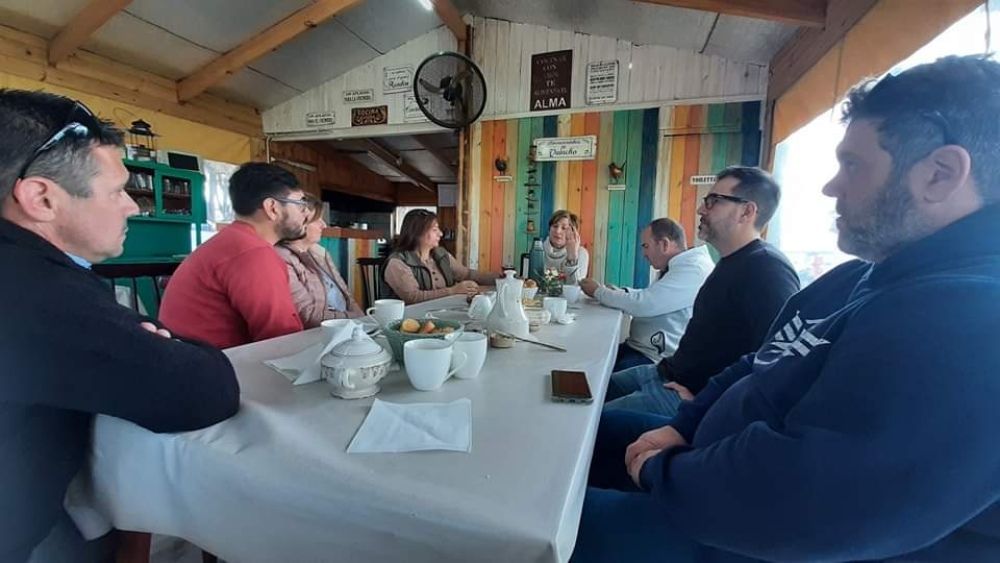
<point x="274" y="483"/>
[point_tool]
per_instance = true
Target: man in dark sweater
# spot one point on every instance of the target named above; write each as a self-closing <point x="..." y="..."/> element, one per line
<point x="69" y="350"/>
<point x="865" y="430"/>
<point x="735" y="306"/>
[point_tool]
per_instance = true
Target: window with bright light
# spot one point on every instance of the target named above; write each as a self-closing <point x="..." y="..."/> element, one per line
<point x="804" y="228"/>
<point x="218" y="207"/>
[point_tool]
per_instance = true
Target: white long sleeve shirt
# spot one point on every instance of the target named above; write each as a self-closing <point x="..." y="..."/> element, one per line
<point x="660" y="313"/>
<point x="556" y="258"/>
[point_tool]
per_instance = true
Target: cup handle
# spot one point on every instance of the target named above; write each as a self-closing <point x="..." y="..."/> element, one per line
<point x="345" y="379"/>
<point x="463" y="357"/>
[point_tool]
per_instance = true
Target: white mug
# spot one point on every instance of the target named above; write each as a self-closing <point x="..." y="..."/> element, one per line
<point x="332" y="326"/>
<point x="572" y="293"/>
<point x="430" y="362"/>
<point x="384" y="311"/>
<point x="556" y="306"/>
<point x="473" y="345"/>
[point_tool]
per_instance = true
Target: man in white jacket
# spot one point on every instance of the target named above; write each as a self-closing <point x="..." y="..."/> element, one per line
<point x="661" y="312"/>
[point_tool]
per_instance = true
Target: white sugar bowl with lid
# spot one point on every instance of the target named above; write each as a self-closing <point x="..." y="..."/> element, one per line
<point x="354" y="367"/>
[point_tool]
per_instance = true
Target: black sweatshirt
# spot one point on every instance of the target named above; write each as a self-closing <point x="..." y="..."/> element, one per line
<point x="732" y="313"/>
<point x="68" y="350"/>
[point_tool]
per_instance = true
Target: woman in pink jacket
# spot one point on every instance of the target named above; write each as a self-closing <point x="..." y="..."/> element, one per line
<point x="317" y="288"/>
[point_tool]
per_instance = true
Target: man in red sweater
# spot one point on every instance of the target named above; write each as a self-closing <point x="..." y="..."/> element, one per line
<point x="233" y="289"/>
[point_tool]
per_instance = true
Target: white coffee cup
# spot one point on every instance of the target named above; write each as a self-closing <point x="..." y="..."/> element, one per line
<point x="556" y="306"/>
<point x="430" y="362"/>
<point x="331" y="327"/>
<point x="384" y="311"/>
<point x="572" y="293"/>
<point x="473" y="345"/>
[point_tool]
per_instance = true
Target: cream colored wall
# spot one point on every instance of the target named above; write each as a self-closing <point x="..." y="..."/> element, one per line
<point x="178" y="134"/>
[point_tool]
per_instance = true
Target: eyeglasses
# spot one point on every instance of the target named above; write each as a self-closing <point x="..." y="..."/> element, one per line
<point x="711" y="199"/>
<point x="942" y="123"/>
<point x="306" y="203"/>
<point x="80" y="123"/>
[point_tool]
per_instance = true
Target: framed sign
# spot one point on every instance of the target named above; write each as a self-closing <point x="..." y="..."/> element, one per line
<point x="411" y="111"/>
<point x="359" y="96"/>
<point x="565" y="148"/>
<point x="551" y="80"/>
<point x="375" y="115"/>
<point x="320" y="118"/>
<point x="602" y="83"/>
<point x="396" y="80"/>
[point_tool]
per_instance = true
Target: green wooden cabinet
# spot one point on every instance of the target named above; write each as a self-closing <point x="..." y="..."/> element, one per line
<point x="171" y="211"/>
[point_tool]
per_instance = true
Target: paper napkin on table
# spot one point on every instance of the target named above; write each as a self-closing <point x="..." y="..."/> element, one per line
<point x="394" y="427"/>
<point x="304" y="367"/>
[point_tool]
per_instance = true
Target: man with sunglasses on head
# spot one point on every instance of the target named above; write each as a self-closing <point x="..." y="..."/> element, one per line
<point x="734" y="307"/>
<point x="69" y="350"/>
<point x="234" y="288"/>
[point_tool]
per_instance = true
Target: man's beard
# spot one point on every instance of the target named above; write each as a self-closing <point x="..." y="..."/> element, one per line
<point x="890" y="225"/>
<point x="289" y="231"/>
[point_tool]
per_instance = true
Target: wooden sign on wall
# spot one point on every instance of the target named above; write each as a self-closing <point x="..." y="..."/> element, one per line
<point x="375" y="115"/>
<point x="551" y="80"/>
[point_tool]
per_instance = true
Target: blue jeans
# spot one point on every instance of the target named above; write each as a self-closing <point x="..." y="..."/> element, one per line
<point x="629" y="357"/>
<point x="64" y="544"/>
<point x="640" y="389"/>
<point x="619" y="522"/>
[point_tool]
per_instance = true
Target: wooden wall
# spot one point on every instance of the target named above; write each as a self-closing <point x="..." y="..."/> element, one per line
<point x="661" y="149"/>
<point x="503" y="51"/>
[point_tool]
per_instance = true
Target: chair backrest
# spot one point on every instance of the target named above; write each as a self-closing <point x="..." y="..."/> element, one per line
<point x="371" y="277"/>
<point x="145" y="280"/>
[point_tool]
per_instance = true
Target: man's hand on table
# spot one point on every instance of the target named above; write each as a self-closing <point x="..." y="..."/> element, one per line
<point x="589" y="286"/>
<point x="648" y="445"/>
<point x="152" y="328"/>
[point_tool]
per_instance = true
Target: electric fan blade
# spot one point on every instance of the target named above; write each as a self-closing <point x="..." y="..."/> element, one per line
<point x="430" y="87"/>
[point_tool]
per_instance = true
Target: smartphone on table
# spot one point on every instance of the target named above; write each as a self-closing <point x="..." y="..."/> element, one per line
<point x="570" y="387"/>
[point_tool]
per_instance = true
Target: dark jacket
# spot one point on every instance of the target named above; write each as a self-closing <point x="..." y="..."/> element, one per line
<point x="423" y="275"/>
<point x="68" y="351"/>
<point x="866" y="427"/>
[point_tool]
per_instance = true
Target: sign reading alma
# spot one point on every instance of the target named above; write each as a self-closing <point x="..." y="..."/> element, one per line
<point x="551" y="80"/>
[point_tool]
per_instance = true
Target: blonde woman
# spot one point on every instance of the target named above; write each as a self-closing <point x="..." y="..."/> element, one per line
<point x="563" y="250"/>
<point x="317" y="288"/>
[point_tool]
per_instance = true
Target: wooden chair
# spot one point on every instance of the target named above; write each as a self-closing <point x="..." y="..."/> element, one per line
<point x="371" y="278"/>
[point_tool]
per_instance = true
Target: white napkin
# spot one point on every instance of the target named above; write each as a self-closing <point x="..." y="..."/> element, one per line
<point x="304" y="367"/>
<point x="393" y="427"/>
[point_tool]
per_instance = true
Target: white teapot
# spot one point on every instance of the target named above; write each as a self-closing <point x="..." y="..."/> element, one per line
<point x="354" y="367"/>
<point x="508" y="313"/>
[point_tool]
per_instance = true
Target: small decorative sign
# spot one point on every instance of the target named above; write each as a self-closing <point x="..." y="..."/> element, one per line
<point x="703" y="180"/>
<point x="503" y="179"/>
<point x="565" y="148"/>
<point x="617" y="187"/>
<point x="411" y="111"/>
<point x="396" y="80"/>
<point x="551" y="80"/>
<point x="320" y="118"/>
<point x="359" y="96"/>
<point x="602" y="83"/>
<point x="375" y="115"/>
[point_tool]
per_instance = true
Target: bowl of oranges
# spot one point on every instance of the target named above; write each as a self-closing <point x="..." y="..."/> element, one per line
<point x="402" y="331"/>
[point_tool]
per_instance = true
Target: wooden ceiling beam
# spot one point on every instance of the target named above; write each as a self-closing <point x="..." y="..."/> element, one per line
<point x="88" y="20"/>
<point x="397" y="163"/>
<point x="451" y="18"/>
<point x="436" y="153"/>
<point x="805" y="13"/>
<point x="259" y="45"/>
<point x="26" y="56"/>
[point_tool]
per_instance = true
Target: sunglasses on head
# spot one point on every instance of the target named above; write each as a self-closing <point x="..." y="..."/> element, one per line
<point x="80" y="122"/>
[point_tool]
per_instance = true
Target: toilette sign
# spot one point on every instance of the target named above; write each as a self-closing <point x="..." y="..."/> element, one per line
<point x="551" y="80"/>
<point x="566" y="148"/>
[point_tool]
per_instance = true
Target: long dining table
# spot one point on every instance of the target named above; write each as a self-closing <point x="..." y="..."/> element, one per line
<point x="275" y="482"/>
